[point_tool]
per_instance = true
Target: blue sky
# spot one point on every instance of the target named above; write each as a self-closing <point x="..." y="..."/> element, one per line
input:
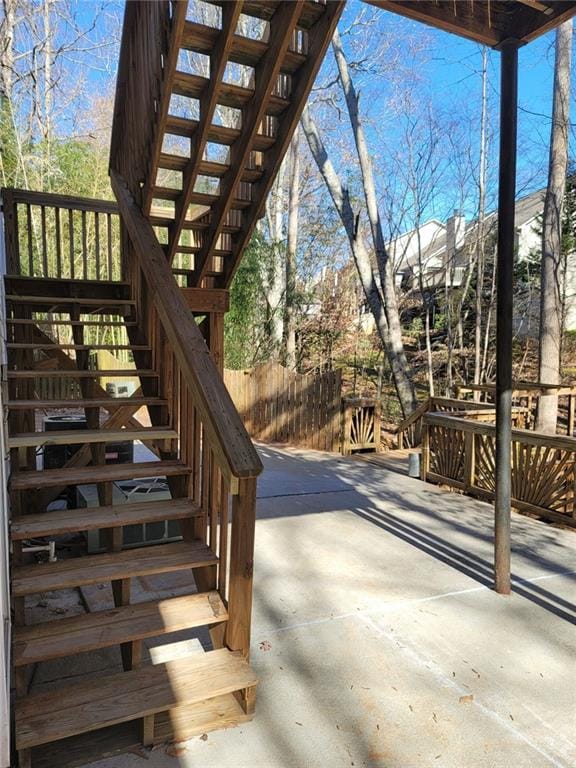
<point x="448" y="72"/>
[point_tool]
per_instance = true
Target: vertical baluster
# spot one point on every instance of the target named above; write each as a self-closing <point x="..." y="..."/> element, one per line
<point x="109" y="245"/>
<point x="97" y="245"/>
<point x="214" y="502"/>
<point x="223" y="543"/>
<point x="45" y="267"/>
<point x="84" y="247"/>
<point x="58" y="236"/>
<point x="71" y="241"/>
<point x="30" y="238"/>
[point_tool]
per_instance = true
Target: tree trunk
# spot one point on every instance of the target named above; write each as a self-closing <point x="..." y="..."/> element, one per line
<point x="369" y="281"/>
<point x="399" y="364"/>
<point x="291" y="246"/>
<point x="551" y="270"/>
<point x="480" y="228"/>
<point x="275" y="279"/>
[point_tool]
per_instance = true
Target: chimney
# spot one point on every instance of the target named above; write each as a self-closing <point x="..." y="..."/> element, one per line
<point x="455" y="235"/>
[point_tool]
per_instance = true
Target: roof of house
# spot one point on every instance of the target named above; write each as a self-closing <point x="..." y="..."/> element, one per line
<point x="527" y="209"/>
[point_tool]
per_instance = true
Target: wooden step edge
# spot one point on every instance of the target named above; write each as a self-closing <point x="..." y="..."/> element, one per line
<point x="45" y="717"/>
<point x="104" y="629"/>
<point x="88" y="436"/>
<point x="91" y="323"/>
<point x="217" y="713"/>
<point x="62" y="521"/>
<point x="55" y="300"/>
<point x="46" y="478"/>
<point x="81" y="347"/>
<point x="74" y="373"/>
<point x="188" y="720"/>
<point x="110" y="566"/>
<point x="108" y="403"/>
<point x="68" y="281"/>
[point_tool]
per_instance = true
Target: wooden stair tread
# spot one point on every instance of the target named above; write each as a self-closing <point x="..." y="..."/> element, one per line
<point x="103" y="629"/>
<point x="74" y="373"/>
<point x="85" y="436"/>
<point x="53" y="300"/>
<point x="124" y="696"/>
<point x="110" y="566"/>
<point x="188" y="720"/>
<point x="52" y="321"/>
<point x="57" y="522"/>
<point x="45" y="478"/>
<point x="55" y="345"/>
<point x="110" y="403"/>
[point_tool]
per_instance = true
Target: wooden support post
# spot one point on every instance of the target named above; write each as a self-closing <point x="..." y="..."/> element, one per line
<point x="469" y="460"/>
<point x="425" y="457"/>
<point x="504" y="312"/>
<point x="241" y="567"/>
<point x="571" y="414"/>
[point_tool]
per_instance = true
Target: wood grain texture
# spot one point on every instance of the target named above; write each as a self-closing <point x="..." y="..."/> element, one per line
<point x="93" y="569"/>
<point x="61" y="521"/>
<point x="104" y="629"/>
<point x="88" y="436"/>
<point x="122" y="697"/>
<point x="21" y="481"/>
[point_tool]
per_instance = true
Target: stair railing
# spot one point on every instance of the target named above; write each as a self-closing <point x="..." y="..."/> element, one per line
<point x="213" y="440"/>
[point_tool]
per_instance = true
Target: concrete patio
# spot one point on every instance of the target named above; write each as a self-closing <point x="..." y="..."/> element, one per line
<point x="377" y="638"/>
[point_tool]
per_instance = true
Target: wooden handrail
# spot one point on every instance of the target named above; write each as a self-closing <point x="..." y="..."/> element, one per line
<point x="51" y="199"/>
<point x="232" y="447"/>
<point x="482" y="428"/>
<point x="414" y="416"/>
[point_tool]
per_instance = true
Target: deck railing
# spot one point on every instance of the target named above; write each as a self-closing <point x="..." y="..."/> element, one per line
<point x="59" y="236"/>
<point x="409" y="431"/>
<point x="526" y="395"/>
<point x="213" y="440"/>
<point x="462" y="454"/>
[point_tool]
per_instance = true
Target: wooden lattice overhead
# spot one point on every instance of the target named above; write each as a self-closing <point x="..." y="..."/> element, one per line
<point x="491" y="22"/>
<point x="233" y="80"/>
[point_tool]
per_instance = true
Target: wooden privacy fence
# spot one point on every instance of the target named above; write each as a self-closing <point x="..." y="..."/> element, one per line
<point x="277" y="405"/>
<point x="462" y="454"/>
<point x="60" y="236"/>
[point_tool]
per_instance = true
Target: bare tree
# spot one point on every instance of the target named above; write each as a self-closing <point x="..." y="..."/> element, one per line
<point x="551" y="275"/>
<point x="480" y="234"/>
<point x="370" y="278"/>
<point x="291" y="247"/>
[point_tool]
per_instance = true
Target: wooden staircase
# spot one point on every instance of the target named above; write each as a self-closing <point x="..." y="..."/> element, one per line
<point x="51" y="338"/>
<point x="145" y="280"/>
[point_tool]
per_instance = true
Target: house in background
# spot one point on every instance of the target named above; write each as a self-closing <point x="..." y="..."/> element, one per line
<point x="435" y="257"/>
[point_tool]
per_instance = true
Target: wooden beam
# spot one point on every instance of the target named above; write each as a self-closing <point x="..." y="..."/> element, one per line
<point x="266" y="76"/>
<point x="207" y="299"/>
<point x="222" y="425"/>
<point x="61" y="201"/>
<point x="208" y="101"/>
<point x="320" y="36"/>
<point x="463" y="23"/>
<point x="178" y="20"/>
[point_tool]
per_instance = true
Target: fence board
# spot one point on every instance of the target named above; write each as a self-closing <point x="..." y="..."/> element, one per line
<point x="281" y="406"/>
